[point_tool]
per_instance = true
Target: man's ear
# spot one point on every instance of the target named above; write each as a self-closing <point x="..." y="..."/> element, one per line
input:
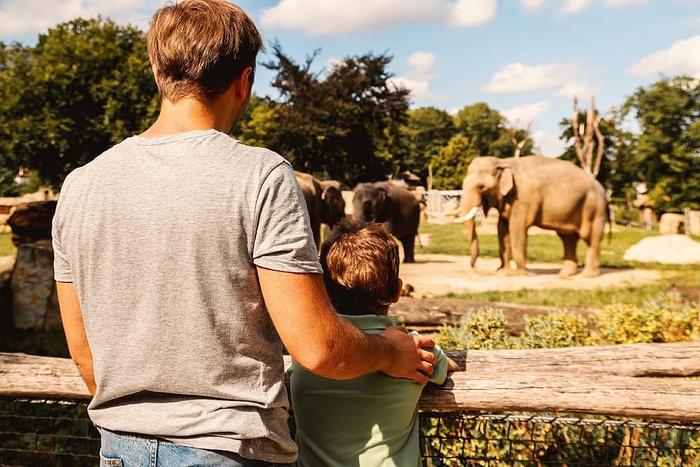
<point x="244" y="83"/>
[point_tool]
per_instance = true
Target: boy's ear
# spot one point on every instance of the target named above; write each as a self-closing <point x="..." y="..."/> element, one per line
<point x="398" y="291"/>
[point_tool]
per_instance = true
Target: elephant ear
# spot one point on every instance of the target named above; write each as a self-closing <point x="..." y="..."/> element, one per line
<point x="506" y="182"/>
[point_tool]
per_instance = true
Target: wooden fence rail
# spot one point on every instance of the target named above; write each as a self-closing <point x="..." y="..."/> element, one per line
<point x="651" y="381"/>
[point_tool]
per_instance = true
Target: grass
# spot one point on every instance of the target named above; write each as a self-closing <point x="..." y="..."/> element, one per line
<point x="7" y="248"/>
<point x="451" y="239"/>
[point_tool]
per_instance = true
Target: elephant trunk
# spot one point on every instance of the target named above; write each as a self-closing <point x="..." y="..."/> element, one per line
<point x="473" y="240"/>
<point x="469" y="207"/>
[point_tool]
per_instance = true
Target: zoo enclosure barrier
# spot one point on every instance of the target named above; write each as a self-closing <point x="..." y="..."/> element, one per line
<point x="625" y="405"/>
<point x="40" y="432"/>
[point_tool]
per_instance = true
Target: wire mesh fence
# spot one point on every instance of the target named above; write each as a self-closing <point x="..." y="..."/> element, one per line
<point x="59" y="433"/>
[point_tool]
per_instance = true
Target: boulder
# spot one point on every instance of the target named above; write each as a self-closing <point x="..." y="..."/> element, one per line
<point x="668" y="249"/>
<point x="31" y="222"/>
<point x="34" y="301"/>
<point x="671" y="223"/>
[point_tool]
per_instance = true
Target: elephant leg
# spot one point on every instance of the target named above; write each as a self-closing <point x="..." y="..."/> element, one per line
<point x="518" y="242"/>
<point x="504" y="249"/>
<point x="592" y="265"/>
<point x="408" y="242"/>
<point x="570" y="266"/>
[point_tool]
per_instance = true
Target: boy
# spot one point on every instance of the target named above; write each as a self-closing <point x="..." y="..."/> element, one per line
<point x="371" y="420"/>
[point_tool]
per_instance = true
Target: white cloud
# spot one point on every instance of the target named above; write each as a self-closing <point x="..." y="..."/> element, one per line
<point x="574" y="6"/>
<point x="681" y="58"/>
<point x="521" y="116"/>
<point x="579" y="89"/>
<point x="532" y="5"/>
<point x="325" y="17"/>
<point x="519" y="78"/>
<point x="419" y="77"/>
<point x="571" y="7"/>
<point x="614" y="3"/>
<point x="548" y="143"/>
<point x="25" y="18"/>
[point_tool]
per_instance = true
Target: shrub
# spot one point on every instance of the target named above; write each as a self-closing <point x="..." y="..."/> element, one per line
<point x="667" y="319"/>
<point x="555" y="329"/>
<point x="484" y="328"/>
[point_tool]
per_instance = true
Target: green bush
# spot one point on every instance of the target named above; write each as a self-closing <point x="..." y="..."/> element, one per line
<point x="484" y="328"/>
<point x="666" y="319"/>
<point x="555" y="329"/>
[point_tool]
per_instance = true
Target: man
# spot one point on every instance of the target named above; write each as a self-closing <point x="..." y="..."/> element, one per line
<point x="182" y="257"/>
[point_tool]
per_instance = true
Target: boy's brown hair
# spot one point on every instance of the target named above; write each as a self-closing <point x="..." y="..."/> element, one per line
<point x="361" y="267"/>
<point x="200" y="47"/>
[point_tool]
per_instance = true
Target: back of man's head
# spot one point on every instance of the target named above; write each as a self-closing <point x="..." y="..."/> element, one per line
<point x="361" y="267"/>
<point x="199" y="47"/>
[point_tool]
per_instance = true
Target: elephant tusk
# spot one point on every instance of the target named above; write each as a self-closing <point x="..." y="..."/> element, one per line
<point x="468" y="216"/>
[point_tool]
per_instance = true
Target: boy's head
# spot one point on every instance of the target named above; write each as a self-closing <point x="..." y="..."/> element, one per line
<point x="198" y="48"/>
<point x="361" y="268"/>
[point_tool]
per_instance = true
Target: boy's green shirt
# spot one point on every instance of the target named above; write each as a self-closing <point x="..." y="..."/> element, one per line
<point x="367" y="421"/>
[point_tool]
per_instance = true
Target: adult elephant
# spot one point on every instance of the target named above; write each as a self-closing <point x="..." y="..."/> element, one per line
<point x="396" y="205"/>
<point x="324" y="201"/>
<point x="548" y="193"/>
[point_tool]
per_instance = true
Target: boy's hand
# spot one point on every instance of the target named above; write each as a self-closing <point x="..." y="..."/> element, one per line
<point x="409" y="360"/>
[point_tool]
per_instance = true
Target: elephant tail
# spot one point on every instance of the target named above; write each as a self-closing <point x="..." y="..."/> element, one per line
<point x="609" y="218"/>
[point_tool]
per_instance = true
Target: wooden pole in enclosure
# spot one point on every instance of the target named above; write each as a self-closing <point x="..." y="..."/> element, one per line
<point x="651" y="381"/>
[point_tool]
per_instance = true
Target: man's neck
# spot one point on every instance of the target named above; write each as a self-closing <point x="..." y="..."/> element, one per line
<point x="189" y="114"/>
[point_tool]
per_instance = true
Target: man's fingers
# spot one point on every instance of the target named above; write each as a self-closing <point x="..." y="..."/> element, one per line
<point x="428" y="356"/>
<point x="420" y="378"/>
<point x="427" y="368"/>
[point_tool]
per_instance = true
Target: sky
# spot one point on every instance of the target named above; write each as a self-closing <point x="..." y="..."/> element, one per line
<point x="525" y="58"/>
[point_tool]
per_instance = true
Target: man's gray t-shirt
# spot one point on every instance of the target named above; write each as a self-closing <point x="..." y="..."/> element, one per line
<point x="161" y="238"/>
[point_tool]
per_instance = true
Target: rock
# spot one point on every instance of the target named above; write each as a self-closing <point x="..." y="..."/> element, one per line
<point x="34" y="301"/>
<point x="667" y="249"/>
<point x="671" y="224"/>
<point x="32" y="221"/>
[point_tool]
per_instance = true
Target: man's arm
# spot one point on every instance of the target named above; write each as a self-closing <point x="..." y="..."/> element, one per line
<point x="331" y="347"/>
<point x="73" y="326"/>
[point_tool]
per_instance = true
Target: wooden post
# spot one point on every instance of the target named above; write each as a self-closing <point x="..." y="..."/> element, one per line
<point x="638" y="380"/>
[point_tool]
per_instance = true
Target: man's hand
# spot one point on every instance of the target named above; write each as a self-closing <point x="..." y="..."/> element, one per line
<point x="409" y="360"/>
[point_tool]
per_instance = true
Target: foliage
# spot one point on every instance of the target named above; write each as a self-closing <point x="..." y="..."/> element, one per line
<point x="483" y="328"/>
<point x="666" y="319"/>
<point x="482" y="126"/>
<point x="617" y="171"/>
<point x="666" y="150"/>
<point x="343" y="126"/>
<point x="86" y="85"/>
<point x="257" y="125"/>
<point x="559" y="328"/>
<point x="423" y="136"/>
<point x="451" y="162"/>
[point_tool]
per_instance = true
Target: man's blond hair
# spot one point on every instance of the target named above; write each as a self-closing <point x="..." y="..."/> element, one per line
<point x="361" y="267"/>
<point x="200" y="47"/>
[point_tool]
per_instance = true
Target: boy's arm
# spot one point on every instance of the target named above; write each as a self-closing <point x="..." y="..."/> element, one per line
<point x="327" y="345"/>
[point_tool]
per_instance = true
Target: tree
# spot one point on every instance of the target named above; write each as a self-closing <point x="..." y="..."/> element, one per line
<point x="449" y="166"/>
<point x="588" y="138"/>
<point x="426" y="131"/>
<point x="86" y="85"/>
<point x="482" y="126"/>
<point x="257" y="125"/>
<point x="343" y="126"/>
<point x="520" y="138"/>
<point x="667" y="148"/>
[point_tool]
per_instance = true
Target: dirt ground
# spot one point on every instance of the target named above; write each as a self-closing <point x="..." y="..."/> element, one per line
<point x="433" y="275"/>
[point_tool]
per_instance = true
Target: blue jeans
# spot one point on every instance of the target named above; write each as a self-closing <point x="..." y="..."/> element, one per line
<point x="119" y="450"/>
